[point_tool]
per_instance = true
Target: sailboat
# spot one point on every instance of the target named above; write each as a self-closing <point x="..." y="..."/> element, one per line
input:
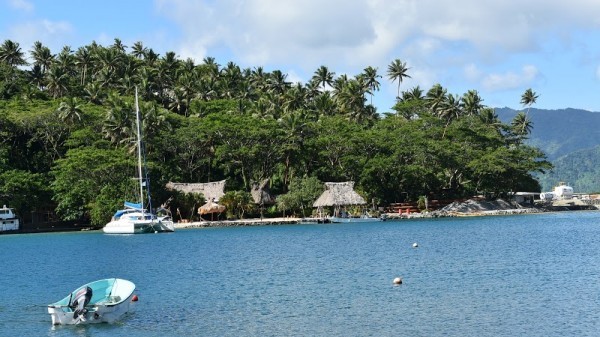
<point x="134" y="218"/>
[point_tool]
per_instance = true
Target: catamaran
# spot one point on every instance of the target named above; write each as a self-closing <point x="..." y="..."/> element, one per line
<point x="134" y="218"/>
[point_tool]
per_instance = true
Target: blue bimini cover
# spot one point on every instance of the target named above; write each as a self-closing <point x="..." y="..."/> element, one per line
<point x="133" y="205"/>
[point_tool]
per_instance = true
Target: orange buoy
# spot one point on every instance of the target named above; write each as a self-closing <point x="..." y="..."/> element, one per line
<point x="134" y="298"/>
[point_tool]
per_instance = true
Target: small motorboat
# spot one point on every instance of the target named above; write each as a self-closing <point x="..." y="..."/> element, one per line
<point x="102" y="301"/>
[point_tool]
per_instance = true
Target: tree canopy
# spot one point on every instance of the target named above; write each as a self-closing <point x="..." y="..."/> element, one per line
<point x="66" y="125"/>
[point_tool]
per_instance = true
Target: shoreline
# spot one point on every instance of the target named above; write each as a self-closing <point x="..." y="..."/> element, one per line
<point x="388" y="217"/>
<point x="296" y="220"/>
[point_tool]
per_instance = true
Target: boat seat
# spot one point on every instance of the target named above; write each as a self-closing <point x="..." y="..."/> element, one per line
<point x="110" y="299"/>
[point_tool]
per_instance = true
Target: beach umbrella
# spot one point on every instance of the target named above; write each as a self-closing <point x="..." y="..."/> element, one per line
<point x="211" y="207"/>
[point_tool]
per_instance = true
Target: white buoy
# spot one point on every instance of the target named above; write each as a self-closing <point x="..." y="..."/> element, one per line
<point x="398" y="280"/>
<point x="415" y="245"/>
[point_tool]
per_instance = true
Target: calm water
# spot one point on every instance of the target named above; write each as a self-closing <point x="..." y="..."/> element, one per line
<point x="529" y="275"/>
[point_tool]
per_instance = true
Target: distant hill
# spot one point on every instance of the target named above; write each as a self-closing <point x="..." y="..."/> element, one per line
<point x="580" y="170"/>
<point x="571" y="139"/>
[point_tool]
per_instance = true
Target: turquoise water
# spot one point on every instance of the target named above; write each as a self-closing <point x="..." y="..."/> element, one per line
<point x="528" y="275"/>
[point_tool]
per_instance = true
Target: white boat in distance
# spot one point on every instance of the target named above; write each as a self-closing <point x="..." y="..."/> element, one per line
<point x="363" y="218"/>
<point x="8" y="220"/>
<point x="134" y="218"/>
<point x="102" y="301"/>
<point x="344" y="217"/>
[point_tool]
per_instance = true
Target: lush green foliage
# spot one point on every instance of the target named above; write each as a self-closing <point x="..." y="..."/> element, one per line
<point x="67" y="123"/>
<point x="301" y="196"/>
<point x="579" y="169"/>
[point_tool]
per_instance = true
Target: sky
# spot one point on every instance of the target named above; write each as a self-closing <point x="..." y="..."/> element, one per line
<point x="499" y="48"/>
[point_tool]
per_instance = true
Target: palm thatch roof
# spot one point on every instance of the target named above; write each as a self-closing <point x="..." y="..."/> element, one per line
<point x="211" y="207"/>
<point x="339" y="194"/>
<point x="213" y="190"/>
<point x="261" y="194"/>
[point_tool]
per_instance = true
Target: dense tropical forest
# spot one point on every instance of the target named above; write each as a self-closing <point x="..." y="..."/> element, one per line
<point x="67" y="123"/>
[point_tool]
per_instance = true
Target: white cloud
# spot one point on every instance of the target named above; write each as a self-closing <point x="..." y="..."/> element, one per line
<point x="511" y="80"/>
<point x="50" y="33"/>
<point x="23" y="5"/>
<point x="447" y="42"/>
<point x="368" y="32"/>
<point x="472" y="72"/>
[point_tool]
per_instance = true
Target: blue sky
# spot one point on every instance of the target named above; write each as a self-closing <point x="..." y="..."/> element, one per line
<point x="499" y="49"/>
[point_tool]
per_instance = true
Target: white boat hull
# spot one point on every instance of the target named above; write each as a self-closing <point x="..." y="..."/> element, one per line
<point x="335" y="219"/>
<point x="8" y="220"/>
<point x="96" y="314"/>
<point x="106" y="301"/>
<point x="138" y="227"/>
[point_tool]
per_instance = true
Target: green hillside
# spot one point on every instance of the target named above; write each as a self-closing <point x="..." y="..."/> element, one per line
<point x="571" y="139"/>
<point x="580" y="169"/>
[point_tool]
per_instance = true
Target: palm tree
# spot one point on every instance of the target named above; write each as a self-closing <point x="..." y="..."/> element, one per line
<point x="397" y="71"/>
<point x="138" y="50"/>
<point x="93" y="92"/>
<point x="295" y="98"/>
<point x="471" y="103"/>
<point x="528" y="99"/>
<point x="118" y="45"/>
<point x="323" y="105"/>
<point x="186" y="85"/>
<point x="151" y="57"/>
<point x="69" y="110"/>
<point x="66" y="60"/>
<point x="351" y="101"/>
<point x="293" y="125"/>
<point x="277" y="82"/>
<point x="435" y="97"/>
<point x="339" y="83"/>
<point x="58" y="81"/>
<point x="323" y="76"/>
<point x="36" y="76"/>
<point x="119" y="123"/>
<point x="369" y="77"/>
<point x="489" y="117"/>
<point x="416" y="93"/>
<point x="522" y="125"/>
<point x="41" y="56"/>
<point x="11" y="54"/>
<point x="83" y="61"/>
<point x="232" y="79"/>
<point x="450" y="108"/>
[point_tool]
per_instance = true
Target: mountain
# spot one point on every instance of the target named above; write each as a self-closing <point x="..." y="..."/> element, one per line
<point x="571" y="139"/>
<point x="580" y="170"/>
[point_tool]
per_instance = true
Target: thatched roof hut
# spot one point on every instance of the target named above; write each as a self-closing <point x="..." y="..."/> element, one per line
<point x="339" y="194"/>
<point x="213" y="190"/>
<point x="211" y="207"/>
<point x="261" y="194"/>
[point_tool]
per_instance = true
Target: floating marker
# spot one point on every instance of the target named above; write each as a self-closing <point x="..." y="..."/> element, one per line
<point x="415" y="245"/>
<point x="398" y="280"/>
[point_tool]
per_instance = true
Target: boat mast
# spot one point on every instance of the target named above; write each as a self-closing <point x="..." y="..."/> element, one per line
<point x="139" y="147"/>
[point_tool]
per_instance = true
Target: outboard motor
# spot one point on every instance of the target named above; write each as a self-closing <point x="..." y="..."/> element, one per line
<point x="82" y="298"/>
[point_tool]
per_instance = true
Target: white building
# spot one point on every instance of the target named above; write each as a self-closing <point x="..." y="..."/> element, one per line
<point x="563" y="192"/>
